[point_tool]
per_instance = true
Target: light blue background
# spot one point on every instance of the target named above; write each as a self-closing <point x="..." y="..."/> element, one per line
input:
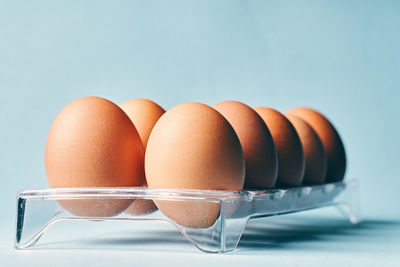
<point x="341" y="57"/>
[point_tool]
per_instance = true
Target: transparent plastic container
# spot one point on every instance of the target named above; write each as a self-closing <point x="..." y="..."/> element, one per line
<point x="39" y="210"/>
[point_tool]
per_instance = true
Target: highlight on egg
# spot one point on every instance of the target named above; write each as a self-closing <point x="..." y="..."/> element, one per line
<point x="291" y="163"/>
<point x="330" y="138"/>
<point x="258" y="146"/>
<point x="192" y="146"/>
<point x="144" y="114"/>
<point x="93" y="143"/>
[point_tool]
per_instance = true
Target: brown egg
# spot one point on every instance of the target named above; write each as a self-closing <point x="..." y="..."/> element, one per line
<point x="192" y="146"/>
<point x="330" y="139"/>
<point x="144" y="114"/>
<point x="141" y="207"/>
<point x="291" y="163"/>
<point x="314" y="153"/>
<point x="256" y="140"/>
<point x="93" y="143"/>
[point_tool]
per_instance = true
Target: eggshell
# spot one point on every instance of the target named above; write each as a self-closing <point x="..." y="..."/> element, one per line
<point x="291" y="162"/>
<point x="144" y="114"/>
<point x="141" y="207"/>
<point x="93" y="143"/>
<point x="314" y="153"/>
<point x="192" y="146"/>
<point x="330" y="139"/>
<point x="257" y="144"/>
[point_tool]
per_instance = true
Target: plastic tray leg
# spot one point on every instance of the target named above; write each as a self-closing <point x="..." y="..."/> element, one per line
<point x="348" y="203"/>
<point x="223" y="236"/>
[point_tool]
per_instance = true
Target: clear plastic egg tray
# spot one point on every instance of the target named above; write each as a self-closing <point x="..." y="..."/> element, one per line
<point x="39" y="210"/>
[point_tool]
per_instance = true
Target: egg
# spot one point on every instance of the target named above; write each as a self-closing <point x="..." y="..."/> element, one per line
<point x="314" y="153"/>
<point x="330" y="139"/>
<point x="291" y="164"/>
<point x="93" y="143"/>
<point x="258" y="147"/>
<point x="192" y="146"/>
<point x="144" y="114"/>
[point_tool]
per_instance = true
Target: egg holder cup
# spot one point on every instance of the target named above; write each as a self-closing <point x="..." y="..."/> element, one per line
<point x="38" y="210"/>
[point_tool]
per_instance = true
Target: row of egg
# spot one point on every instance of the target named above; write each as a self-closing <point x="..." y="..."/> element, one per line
<point x="230" y="146"/>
